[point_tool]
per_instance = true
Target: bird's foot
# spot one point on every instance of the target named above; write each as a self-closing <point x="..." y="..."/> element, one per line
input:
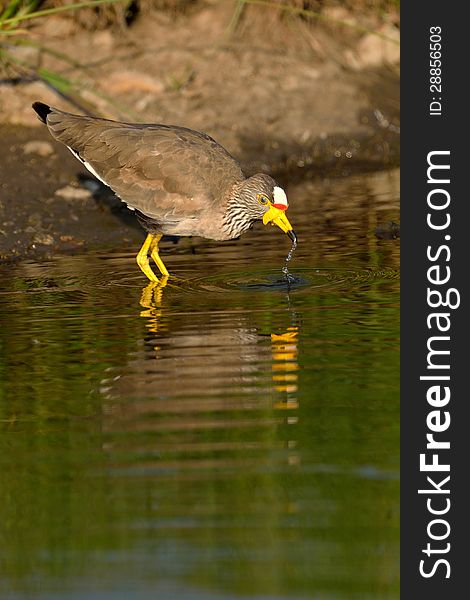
<point x="145" y="267"/>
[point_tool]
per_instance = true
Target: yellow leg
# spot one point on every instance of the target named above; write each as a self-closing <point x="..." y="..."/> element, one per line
<point x="151" y="300"/>
<point x="156" y="257"/>
<point x="143" y="259"/>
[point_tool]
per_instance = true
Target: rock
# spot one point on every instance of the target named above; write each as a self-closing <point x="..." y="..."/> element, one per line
<point x="15" y="102"/>
<point x="72" y="193"/>
<point x="125" y="81"/>
<point x="45" y="239"/>
<point x="389" y="231"/>
<point x="58" y="26"/>
<point x="376" y="49"/>
<point x="38" y="147"/>
<point x="103" y="39"/>
<point x="338" y="15"/>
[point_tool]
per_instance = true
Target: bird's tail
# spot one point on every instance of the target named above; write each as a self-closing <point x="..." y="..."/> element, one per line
<point x="42" y="110"/>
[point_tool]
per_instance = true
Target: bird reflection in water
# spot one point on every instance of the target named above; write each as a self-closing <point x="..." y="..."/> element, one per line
<point x="246" y="351"/>
<point x="212" y="387"/>
<point x="151" y="300"/>
<point x="285" y="365"/>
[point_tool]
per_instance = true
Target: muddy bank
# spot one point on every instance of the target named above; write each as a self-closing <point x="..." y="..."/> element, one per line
<point x="283" y="97"/>
<point x="46" y="208"/>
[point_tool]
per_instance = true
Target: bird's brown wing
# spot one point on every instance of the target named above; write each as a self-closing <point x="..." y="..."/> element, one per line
<point x="165" y="172"/>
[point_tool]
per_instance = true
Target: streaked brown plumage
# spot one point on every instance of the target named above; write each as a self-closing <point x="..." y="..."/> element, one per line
<point x="179" y="181"/>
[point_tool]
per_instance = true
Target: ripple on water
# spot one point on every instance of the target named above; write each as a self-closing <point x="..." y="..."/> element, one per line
<point x="274" y="280"/>
<point x="229" y="416"/>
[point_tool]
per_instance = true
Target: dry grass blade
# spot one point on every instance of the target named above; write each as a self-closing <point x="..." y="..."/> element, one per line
<point x="241" y="4"/>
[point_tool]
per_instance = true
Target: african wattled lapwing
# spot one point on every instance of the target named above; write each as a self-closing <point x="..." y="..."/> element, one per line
<point x="178" y="181"/>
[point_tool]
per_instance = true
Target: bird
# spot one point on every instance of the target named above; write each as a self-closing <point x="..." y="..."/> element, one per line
<point x="178" y="181"/>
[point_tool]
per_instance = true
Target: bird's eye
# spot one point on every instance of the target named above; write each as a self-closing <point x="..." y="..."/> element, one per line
<point x="262" y="199"/>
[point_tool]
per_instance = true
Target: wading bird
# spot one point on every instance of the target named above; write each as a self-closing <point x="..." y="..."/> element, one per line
<point x="178" y="181"/>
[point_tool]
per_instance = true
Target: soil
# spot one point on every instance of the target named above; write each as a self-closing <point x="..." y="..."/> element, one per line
<point x="284" y="96"/>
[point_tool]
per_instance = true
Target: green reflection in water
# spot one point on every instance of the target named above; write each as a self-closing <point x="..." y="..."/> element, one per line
<point x="277" y="480"/>
<point x="217" y="441"/>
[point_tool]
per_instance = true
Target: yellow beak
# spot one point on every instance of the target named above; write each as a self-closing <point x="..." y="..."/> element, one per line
<point x="276" y="216"/>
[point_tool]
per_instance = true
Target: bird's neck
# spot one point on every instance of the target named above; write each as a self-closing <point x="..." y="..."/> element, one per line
<point x="236" y="219"/>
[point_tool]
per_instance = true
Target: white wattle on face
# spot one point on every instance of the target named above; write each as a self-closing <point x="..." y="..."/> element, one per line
<point x="280" y="198"/>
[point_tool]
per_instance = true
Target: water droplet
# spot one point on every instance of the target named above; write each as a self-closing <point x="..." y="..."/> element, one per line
<point x="285" y="269"/>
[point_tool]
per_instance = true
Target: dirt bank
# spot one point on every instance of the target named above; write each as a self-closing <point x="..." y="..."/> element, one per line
<point x="285" y="96"/>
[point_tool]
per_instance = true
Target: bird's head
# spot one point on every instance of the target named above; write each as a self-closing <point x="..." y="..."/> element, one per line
<point x="264" y="200"/>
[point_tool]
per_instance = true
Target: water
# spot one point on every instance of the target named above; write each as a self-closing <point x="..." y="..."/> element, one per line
<point x="290" y="254"/>
<point x="229" y="435"/>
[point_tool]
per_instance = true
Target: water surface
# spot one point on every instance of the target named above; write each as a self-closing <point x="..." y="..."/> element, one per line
<point x="223" y="437"/>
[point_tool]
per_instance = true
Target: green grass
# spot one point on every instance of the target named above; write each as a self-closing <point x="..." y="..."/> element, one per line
<point x="16" y="18"/>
